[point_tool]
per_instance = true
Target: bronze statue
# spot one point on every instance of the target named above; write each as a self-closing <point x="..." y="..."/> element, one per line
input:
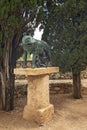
<point x="39" y="49"/>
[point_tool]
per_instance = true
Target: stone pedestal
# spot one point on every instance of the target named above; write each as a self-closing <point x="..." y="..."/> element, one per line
<point x="38" y="106"/>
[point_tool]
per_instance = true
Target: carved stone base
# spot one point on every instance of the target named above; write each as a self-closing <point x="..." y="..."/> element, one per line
<point x="40" y="116"/>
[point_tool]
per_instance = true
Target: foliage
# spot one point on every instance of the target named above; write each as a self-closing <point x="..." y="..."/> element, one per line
<point x="66" y="32"/>
<point x="14" y="15"/>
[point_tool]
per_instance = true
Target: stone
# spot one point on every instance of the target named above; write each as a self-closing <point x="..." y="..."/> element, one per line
<point x="39" y="116"/>
<point x="28" y="113"/>
<point x="44" y="115"/>
<point x="38" y="107"/>
<point x="36" y="71"/>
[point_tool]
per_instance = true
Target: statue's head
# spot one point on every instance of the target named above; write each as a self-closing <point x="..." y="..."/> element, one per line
<point x="31" y="39"/>
<point x="27" y="39"/>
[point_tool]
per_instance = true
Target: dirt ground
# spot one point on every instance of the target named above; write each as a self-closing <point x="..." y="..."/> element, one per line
<point x="70" y="114"/>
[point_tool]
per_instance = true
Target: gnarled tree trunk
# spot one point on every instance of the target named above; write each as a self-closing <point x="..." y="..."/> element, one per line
<point x="76" y="86"/>
<point x="7" y="79"/>
<point x="7" y="91"/>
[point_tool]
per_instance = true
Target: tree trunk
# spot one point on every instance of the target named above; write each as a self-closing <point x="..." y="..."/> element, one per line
<point x="0" y="92"/>
<point x="7" y="91"/>
<point x="76" y="86"/>
<point x="7" y="79"/>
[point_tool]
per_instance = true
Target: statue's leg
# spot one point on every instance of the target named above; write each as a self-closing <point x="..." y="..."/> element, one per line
<point x="46" y="57"/>
<point x="25" y="59"/>
<point x="43" y="59"/>
<point x="33" y="60"/>
<point x="37" y="61"/>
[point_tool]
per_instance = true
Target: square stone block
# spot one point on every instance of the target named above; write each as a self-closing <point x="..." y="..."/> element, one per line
<point x="45" y="114"/>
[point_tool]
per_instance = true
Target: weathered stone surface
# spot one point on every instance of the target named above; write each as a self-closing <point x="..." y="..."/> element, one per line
<point x="28" y="113"/>
<point x="38" y="106"/>
<point x="38" y="100"/>
<point x="36" y="71"/>
<point x="38" y="91"/>
<point x="45" y="114"/>
<point x="40" y="116"/>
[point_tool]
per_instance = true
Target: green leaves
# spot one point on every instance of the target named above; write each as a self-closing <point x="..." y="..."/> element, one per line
<point x="4" y="9"/>
<point x="12" y="19"/>
<point x="70" y="40"/>
<point x="82" y="4"/>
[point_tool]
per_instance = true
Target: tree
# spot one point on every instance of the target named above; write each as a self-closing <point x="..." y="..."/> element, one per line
<point x="14" y="15"/>
<point x="66" y="32"/>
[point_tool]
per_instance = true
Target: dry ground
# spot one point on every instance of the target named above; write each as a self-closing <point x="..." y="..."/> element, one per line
<point x="70" y="114"/>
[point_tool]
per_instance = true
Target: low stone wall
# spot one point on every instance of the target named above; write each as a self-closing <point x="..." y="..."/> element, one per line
<point x="60" y="88"/>
<point x="20" y="90"/>
<point x="68" y="75"/>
